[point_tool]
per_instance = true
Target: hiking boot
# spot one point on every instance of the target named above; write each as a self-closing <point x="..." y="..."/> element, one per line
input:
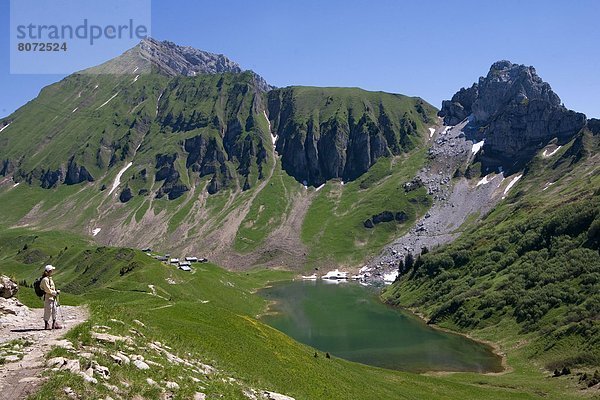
<point x="46" y="325"/>
<point x="55" y="325"/>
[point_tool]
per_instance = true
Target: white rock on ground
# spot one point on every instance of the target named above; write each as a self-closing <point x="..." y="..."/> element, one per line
<point x="106" y="338"/>
<point x="199" y="396"/>
<point x="276" y="396"/>
<point x="56" y="362"/>
<point x="70" y="393"/>
<point x="151" y="382"/>
<point x="139" y="364"/>
<point x="88" y="378"/>
<point x="172" y="385"/>
<point x="102" y="371"/>
<point x="72" y="366"/>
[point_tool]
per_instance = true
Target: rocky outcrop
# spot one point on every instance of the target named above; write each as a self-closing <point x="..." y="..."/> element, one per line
<point x="340" y="133"/>
<point x="173" y="60"/>
<point x="456" y="110"/>
<point x="385" y="216"/>
<point x="8" y="287"/>
<point x="593" y="125"/>
<point x="206" y="157"/>
<point x="125" y="195"/>
<point x="49" y="178"/>
<point x="173" y="187"/>
<point x="77" y="173"/>
<point x="7" y="167"/>
<point x="515" y="112"/>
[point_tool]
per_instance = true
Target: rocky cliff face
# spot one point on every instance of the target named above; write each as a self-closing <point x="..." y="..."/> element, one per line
<point x="326" y="133"/>
<point x="515" y="112"/>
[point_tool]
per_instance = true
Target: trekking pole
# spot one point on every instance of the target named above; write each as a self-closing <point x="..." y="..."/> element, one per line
<point x="59" y="309"/>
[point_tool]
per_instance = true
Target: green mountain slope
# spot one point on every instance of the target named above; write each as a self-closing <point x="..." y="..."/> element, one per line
<point x="209" y="316"/>
<point x="207" y="163"/>
<point x="527" y="276"/>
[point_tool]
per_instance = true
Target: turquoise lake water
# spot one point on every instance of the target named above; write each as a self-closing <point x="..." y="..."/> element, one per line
<point x="348" y="321"/>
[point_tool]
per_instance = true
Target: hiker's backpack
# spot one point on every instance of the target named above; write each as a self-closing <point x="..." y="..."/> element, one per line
<point x="37" y="286"/>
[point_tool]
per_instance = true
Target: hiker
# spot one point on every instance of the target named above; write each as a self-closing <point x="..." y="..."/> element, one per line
<point x="50" y="295"/>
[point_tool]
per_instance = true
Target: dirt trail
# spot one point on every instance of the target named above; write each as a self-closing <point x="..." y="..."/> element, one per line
<point x="19" y="379"/>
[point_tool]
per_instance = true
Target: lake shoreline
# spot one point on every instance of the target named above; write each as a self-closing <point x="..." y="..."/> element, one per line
<point x="496" y="349"/>
<point x="497" y="366"/>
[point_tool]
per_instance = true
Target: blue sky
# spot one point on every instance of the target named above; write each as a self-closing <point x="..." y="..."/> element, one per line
<point x="426" y="48"/>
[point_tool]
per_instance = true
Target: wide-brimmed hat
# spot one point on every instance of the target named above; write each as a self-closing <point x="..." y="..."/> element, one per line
<point x="49" y="268"/>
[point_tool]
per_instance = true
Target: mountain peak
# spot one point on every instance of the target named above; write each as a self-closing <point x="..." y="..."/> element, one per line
<point x="172" y="59"/>
<point x="515" y="111"/>
<point x="168" y="58"/>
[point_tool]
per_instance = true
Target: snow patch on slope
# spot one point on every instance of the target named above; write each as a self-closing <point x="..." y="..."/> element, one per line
<point x="431" y="132"/>
<point x="117" y="181"/>
<point x="485" y="180"/>
<point x="5" y="126"/>
<point x="477" y="146"/>
<point x="273" y="137"/>
<point x="511" y="184"/>
<point x="96" y="231"/>
<point x="550" y="154"/>
<point x="106" y="102"/>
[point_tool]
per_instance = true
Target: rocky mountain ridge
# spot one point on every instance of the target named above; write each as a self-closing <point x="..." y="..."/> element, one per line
<point x="515" y="112"/>
<point x="170" y="59"/>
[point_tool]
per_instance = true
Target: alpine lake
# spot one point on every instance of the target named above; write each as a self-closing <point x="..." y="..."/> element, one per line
<point x="349" y="321"/>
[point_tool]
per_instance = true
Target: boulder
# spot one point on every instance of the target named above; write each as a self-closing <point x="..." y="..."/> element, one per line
<point x="106" y="338"/>
<point x="8" y="287"/>
<point x="276" y="396"/>
<point x="72" y="366"/>
<point x="100" y="370"/>
<point x="56" y="362"/>
<point x="139" y="364"/>
<point x="12" y="309"/>
<point x="151" y="382"/>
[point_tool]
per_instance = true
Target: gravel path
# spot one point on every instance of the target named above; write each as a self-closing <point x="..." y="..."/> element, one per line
<point x="19" y="379"/>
